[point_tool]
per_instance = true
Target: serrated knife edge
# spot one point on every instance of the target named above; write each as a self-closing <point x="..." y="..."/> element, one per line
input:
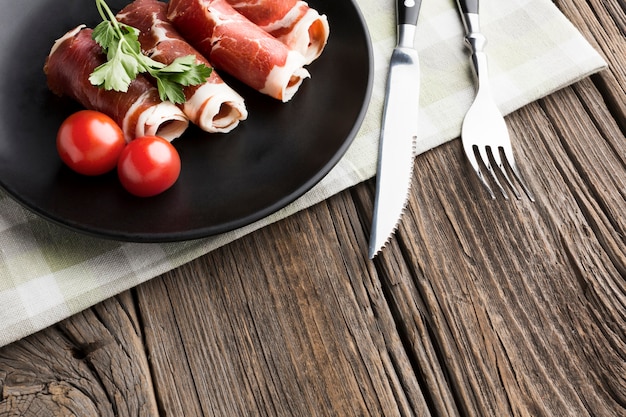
<point x="398" y="130"/>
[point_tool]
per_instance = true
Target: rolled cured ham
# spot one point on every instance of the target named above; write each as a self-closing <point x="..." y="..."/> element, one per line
<point x="239" y="47"/>
<point x="293" y="22"/>
<point x="139" y="111"/>
<point x="213" y="105"/>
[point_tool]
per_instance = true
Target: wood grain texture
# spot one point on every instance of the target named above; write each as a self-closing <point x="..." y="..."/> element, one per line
<point x="603" y="23"/>
<point x="92" y="364"/>
<point x="477" y="307"/>
<point x="283" y="335"/>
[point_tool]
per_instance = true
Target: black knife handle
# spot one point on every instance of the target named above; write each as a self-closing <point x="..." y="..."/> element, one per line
<point x="408" y="10"/>
<point x="468" y="6"/>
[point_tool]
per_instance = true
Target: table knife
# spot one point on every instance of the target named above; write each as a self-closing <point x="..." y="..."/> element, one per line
<point x="399" y="129"/>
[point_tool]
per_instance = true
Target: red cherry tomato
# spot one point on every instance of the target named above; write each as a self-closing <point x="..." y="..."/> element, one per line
<point x="148" y="166"/>
<point x="90" y="142"/>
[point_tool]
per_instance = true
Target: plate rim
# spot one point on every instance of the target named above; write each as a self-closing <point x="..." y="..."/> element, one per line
<point x="231" y="225"/>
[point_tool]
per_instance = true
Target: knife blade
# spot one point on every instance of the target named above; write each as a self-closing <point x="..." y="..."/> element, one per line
<point x="399" y="129"/>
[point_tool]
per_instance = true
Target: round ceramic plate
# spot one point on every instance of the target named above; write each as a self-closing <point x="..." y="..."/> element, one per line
<point x="227" y="180"/>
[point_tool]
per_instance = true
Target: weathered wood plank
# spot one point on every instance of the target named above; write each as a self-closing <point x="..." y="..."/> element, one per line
<point x="516" y="321"/>
<point x="90" y="364"/>
<point x="488" y="320"/>
<point x="291" y="331"/>
<point x="597" y="149"/>
<point x="602" y="23"/>
<point x="600" y="354"/>
<point x="398" y="282"/>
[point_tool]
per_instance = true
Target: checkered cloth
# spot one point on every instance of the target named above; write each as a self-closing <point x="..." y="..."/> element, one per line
<point x="48" y="273"/>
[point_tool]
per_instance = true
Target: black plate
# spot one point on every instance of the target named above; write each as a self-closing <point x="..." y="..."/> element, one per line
<point x="227" y="180"/>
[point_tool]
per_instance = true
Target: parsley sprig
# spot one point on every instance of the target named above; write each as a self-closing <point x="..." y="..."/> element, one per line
<point x="125" y="61"/>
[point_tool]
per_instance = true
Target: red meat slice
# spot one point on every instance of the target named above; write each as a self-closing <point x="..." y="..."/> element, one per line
<point x="139" y="111"/>
<point x="293" y="22"/>
<point x="239" y="47"/>
<point x="213" y="106"/>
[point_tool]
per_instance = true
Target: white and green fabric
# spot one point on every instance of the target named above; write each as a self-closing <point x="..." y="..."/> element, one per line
<point x="48" y="273"/>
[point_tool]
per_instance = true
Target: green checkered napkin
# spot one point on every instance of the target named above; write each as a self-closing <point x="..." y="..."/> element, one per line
<point x="48" y="273"/>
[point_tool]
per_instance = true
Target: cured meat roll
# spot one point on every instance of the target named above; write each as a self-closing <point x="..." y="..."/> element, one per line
<point x="293" y="22"/>
<point x="213" y="105"/>
<point x="239" y="47"/>
<point x="139" y="111"/>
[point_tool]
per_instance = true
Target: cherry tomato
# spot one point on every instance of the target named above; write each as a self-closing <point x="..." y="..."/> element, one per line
<point x="148" y="166"/>
<point x="90" y="142"/>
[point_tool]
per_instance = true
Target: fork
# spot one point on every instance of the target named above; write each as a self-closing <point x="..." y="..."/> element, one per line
<point x="484" y="132"/>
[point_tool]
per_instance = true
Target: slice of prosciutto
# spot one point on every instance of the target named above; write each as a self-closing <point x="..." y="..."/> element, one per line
<point x="239" y="47"/>
<point x="213" y="105"/>
<point x="139" y="111"/>
<point x="293" y="22"/>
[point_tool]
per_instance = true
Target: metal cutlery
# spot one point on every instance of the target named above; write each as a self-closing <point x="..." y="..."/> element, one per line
<point x="399" y="129"/>
<point x="484" y="132"/>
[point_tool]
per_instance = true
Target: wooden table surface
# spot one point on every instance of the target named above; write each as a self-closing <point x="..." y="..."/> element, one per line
<point x="476" y="308"/>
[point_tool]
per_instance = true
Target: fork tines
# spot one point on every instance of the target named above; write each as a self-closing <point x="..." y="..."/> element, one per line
<point x="484" y="133"/>
<point x="504" y="162"/>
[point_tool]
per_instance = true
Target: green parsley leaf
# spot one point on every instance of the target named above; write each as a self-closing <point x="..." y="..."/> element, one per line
<point x="170" y="90"/>
<point x="180" y="64"/>
<point x="125" y="61"/>
<point x="185" y="71"/>
<point x="104" y="34"/>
